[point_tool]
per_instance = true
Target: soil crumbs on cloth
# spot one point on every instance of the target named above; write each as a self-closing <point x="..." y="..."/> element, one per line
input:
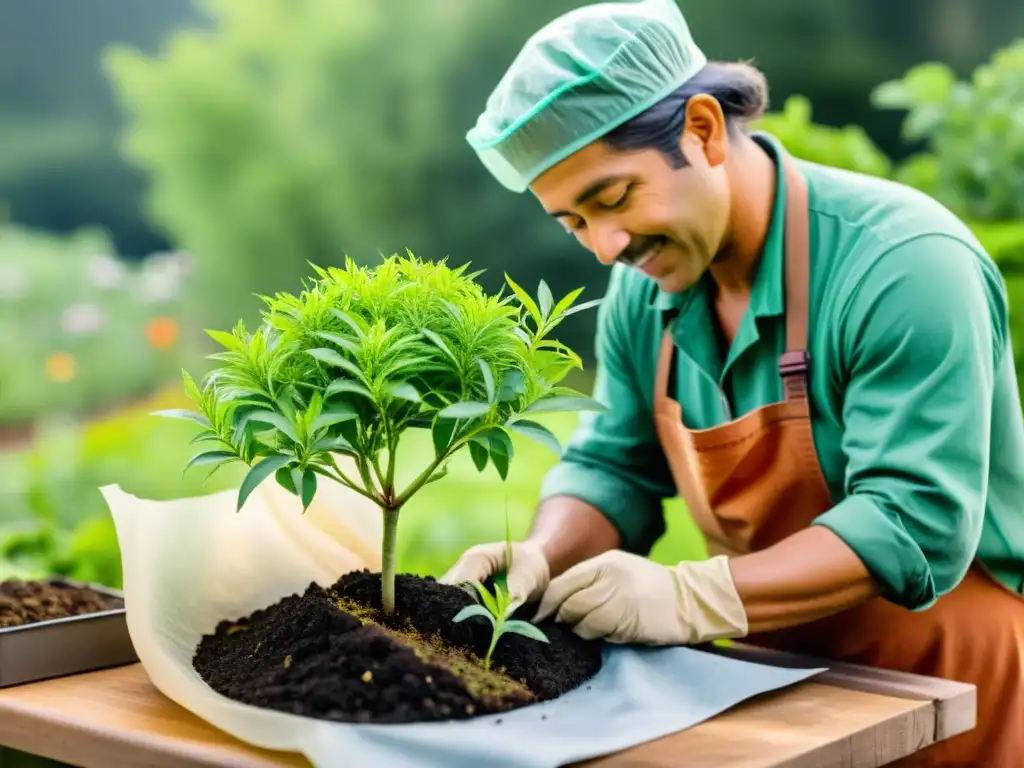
<point x="332" y="654"/>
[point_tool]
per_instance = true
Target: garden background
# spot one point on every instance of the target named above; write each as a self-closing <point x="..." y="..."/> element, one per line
<point x="161" y="164"/>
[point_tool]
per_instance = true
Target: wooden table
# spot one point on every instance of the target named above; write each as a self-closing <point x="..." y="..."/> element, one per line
<point x="848" y="717"/>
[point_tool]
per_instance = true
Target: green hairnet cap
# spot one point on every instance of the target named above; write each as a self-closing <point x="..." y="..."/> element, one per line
<point x="584" y="74"/>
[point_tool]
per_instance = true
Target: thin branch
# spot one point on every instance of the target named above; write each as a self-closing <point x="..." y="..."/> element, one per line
<point x="342" y="478"/>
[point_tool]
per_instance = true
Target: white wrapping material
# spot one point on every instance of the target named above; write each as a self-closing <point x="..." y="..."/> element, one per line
<point x="190" y="563"/>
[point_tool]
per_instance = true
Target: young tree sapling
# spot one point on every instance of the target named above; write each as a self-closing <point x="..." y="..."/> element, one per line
<point x="363" y="354"/>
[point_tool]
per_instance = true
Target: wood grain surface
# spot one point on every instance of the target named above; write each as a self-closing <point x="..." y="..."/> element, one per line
<point x="116" y="718"/>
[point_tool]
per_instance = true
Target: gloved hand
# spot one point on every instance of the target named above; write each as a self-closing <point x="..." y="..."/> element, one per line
<point x="525" y="582"/>
<point x="625" y="598"/>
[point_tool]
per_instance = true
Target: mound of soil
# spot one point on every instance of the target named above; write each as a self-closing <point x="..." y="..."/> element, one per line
<point x="28" y="602"/>
<point x="332" y="654"/>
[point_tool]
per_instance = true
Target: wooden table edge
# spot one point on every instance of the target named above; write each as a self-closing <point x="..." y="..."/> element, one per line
<point x="951" y="705"/>
<point x="955" y="702"/>
<point x="25" y="729"/>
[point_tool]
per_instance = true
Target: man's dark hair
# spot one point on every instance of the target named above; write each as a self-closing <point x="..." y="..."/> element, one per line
<point x="740" y="88"/>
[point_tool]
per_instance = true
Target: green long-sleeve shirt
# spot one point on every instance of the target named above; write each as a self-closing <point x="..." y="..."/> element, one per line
<point x="915" y="408"/>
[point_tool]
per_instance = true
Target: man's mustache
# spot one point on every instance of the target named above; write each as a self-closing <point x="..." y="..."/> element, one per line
<point x="638" y="248"/>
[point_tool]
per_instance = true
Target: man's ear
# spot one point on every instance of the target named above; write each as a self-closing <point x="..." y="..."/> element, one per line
<point x="705" y="131"/>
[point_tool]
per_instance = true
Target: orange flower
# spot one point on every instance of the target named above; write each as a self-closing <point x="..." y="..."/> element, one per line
<point x="61" y="367"/>
<point x="161" y="332"/>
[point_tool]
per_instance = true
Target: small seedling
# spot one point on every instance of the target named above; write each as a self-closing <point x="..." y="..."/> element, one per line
<point x="496" y="609"/>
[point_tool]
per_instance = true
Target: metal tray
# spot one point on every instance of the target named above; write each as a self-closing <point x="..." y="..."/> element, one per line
<point x="66" y="646"/>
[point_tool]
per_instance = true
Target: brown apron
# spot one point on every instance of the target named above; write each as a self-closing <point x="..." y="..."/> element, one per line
<point x="752" y="482"/>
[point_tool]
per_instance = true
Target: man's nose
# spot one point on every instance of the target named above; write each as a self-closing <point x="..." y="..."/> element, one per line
<point x="608" y="242"/>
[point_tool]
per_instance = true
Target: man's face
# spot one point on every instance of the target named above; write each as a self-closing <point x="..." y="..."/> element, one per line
<point x="634" y="207"/>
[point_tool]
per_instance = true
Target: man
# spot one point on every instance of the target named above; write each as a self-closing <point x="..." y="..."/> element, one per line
<point x="817" y="361"/>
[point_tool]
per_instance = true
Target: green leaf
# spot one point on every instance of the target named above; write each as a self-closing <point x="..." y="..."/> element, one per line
<point x="276" y="420"/>
<point x="258" y="474"/>
<point x="191" y="389"/>
<point x="522" y="335"/>
<point x="473" y="610"/>
<point x="339" y="386"/>
<point x="545" y="298"/>
<point x="464" y="410"/>
<point x="308" y="488"/>
<point x="226" y="340"/>
<point x="312" y="413"/>
<point x="488" y="379"/>
<point x="351" y="322"/>
<point x="333" y="444"/>
<point x="334" y="415"/>
<point x="284" y="478"/>
<point x="210" y="457"/>
<point x="527" y="302"/>
<point x="513" y="385"/>
<point x="441" y="433"/>
<point x="244" y="416"/>
<point x="501" y="600"/>
<point x="341" y="341"/>
<point x="566" y="302"/>
<point x="479" y="454"/>
<point x="538" y="433"/>
<point x="582" y="307"/>
<point x="206" y="434"/>
<point x="403" y="390"/>
<point x="553" y="404"/>
<point x="524" y="628"/>
<point x="185" y="415"/>
<point x="499" y="440"/>
<point x="500" y="460"/>
<point x="331" y="357"/>
<point x="486" y="597"/>
<point x="440" y="344"/>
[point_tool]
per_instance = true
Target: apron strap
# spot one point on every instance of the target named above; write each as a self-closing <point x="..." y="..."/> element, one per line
<point x="795" y="361"/>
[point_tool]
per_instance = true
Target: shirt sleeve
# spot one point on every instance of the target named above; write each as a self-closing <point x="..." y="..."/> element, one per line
<point x="614" y="460"/>
<point x="919" y="342"/>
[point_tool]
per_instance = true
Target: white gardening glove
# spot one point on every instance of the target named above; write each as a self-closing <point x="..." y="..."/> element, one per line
<point x="625" y="598"/>
<point x="526" y="581"/>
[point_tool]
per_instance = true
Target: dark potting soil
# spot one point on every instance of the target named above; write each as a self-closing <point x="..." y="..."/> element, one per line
<point x="305" y="655"/>
<point x="28" y="602"/>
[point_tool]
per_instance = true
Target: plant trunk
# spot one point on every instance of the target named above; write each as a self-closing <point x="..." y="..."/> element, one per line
<point x="388" y="560"/>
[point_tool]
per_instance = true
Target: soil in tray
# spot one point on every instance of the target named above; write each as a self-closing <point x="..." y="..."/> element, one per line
<point x="29" y="602"/>
<point x="332" y="654"/>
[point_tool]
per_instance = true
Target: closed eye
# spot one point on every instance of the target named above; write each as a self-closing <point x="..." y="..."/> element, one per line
<point x="617" y="204"/>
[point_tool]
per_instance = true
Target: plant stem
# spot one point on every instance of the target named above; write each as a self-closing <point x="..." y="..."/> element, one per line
<point x="364" y="473"/>
<point x="380" y="475"/>
<point x="388" y="551"/>
<point x="422" y="478"/>
<point x="494" y="641"/>
<point x="392" y="462"/>
<point x="418" y="483"/>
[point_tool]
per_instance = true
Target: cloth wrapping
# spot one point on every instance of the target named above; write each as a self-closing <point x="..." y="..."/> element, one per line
<point x="190" y="563"/>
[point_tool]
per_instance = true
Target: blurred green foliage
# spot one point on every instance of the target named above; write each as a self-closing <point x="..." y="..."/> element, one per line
<point x="80" y="328"/>
<point x="848" y="147"/>
<point x="265" y="142"/>
<point x="974" y="132"/>
<point x="53" y="518"/>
